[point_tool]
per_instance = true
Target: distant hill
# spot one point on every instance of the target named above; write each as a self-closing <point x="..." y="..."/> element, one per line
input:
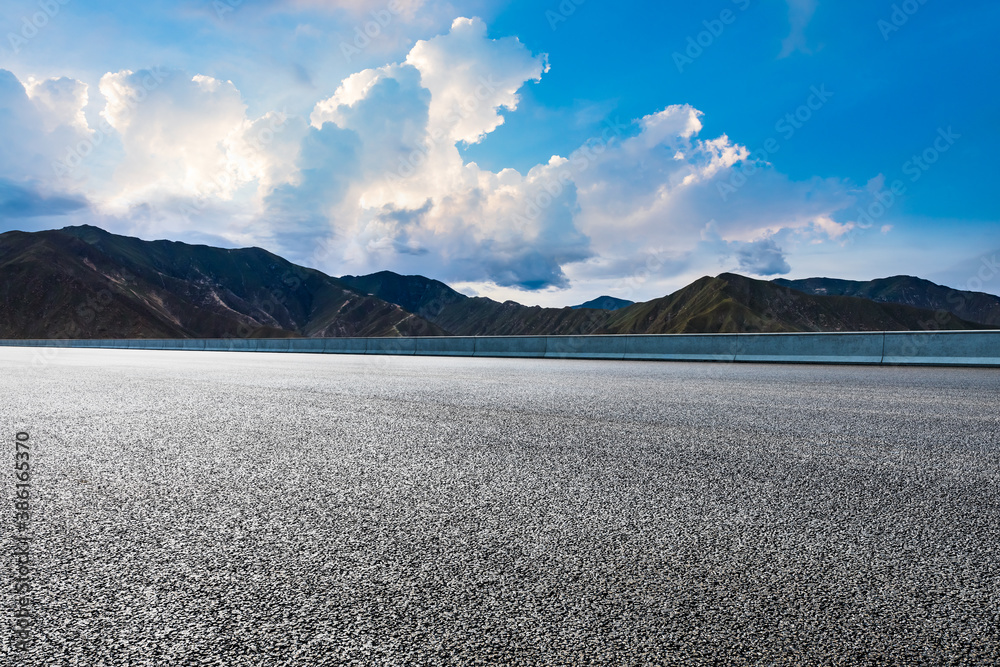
<point x="82" y="282"/>
<point x="474" y="316"/>
<point x="732" y="303"/>
<point x="605" y="303"/>
<point x="728" y="303"/>
<point x="910" y="291"/>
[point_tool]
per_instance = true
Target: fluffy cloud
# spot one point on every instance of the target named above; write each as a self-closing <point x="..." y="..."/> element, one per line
<point x="301" y="214"/>
<point x="37" y="128"/>
<point x="20" y="129"/>
<point x="763" y="258"/>
<point x="471" y="77"/>
<point x="189" y="157"/>
<point x="374" y="178"/>
<point x="387" y="109"/>
<point x="652" y="189"/>
<point x="61" y="102"/>
<point x="41" y="121"/>
<point x="177" y="134"/>
<point x="412" y="200"/>
<point x="644" y="186"/>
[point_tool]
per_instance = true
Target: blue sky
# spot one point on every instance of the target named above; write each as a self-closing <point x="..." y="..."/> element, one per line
<point x="543" y="151"/>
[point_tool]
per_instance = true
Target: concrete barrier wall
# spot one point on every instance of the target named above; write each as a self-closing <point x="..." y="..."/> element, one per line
<point x="307" y="345"/>
<point x="585" y="347"/>
<point x="231" y="344"/>
<point x="345" y="345"/>
<point x="811" y="348"/>
<point x="682" y="347"/>
<point x="272" y="345"/>
<point x="457" y="346"/>
<point x="530" y="347"/>
<point x="947" y="348"/>
<point x="400" y="346"/>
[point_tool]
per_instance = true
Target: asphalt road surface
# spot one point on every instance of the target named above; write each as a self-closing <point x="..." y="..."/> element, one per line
<point x="201" y="508"/>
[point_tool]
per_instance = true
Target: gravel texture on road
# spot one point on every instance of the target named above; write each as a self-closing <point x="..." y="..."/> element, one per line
<point x="202" y="508"/>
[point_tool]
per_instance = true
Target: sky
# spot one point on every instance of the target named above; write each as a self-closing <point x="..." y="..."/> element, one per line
<point x="546" y="151"/>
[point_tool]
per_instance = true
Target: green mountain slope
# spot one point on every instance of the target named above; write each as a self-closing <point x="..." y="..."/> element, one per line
<point x="910" y="291"/>
<point x="731" y="303"/>
<point x="82" y="282"/>
<point x="474" y="316"/>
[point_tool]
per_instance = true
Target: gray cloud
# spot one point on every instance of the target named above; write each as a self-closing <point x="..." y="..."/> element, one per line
<point x="298" y="213"/>
<point x="762" y="258"/>
<point x="18" y="201"/>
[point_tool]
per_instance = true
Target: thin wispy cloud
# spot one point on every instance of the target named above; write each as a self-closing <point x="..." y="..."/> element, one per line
<point x="800" y="13"/>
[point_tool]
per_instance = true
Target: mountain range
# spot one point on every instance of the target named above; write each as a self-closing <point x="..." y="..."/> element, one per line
<point x="974" y="306"/>
<point x="84" y="282"/>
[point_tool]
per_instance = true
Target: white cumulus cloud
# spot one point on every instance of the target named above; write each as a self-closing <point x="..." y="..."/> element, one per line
<point x="375" y="177"/>
<point x="189" y="137"/>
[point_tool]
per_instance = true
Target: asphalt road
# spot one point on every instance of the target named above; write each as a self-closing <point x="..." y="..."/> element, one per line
<point x="271" y="509"/>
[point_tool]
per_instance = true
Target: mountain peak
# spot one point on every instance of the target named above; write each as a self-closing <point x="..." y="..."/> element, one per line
<point x="605" y="303"/>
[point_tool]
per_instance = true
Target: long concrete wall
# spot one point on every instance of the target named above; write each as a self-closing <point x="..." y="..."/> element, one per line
<point x="941" y="348"/>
